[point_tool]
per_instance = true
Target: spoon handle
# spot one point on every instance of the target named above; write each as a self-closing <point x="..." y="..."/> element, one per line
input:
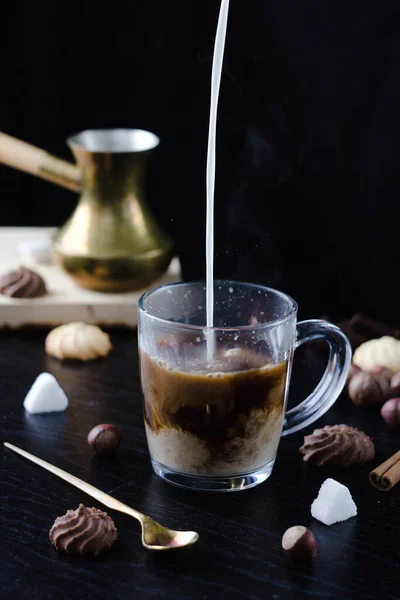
<point x="102" y="497"/>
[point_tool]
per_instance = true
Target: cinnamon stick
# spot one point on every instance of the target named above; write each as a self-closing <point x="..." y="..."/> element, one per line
<point x="385" y="477"/>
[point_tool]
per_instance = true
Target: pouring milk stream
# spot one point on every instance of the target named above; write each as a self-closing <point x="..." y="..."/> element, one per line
<point x="218" y="58"/>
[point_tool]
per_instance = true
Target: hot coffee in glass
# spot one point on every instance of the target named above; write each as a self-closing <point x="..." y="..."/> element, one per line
<point x="214" y="421"/>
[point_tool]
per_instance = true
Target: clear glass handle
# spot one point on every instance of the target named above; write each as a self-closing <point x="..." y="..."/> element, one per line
<point x="333" y="380"/>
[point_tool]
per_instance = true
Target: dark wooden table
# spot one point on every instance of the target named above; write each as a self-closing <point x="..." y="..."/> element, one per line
<point x="239" y="552"/>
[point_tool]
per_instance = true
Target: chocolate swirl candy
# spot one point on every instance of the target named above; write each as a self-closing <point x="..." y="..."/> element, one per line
<point x="22" y="283"/>
<point x="83" y="531"/>
<point x="337" y="445"/>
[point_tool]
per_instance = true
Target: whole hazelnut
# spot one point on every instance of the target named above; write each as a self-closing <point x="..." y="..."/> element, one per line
<point x="366" y="389"/>
<point x="299" y="543"/>
<point x="395" y="383"/>
<point x="390" y="411"/>
<point x="382" y="372"/>
<point x="104" y="438"/>
<point x="353" y="369"/>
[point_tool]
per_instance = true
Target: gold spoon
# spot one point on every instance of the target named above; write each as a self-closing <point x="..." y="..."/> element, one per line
<point x="154" y="535"/>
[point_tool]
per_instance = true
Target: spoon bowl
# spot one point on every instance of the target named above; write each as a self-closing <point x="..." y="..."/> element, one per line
<point x="157" y="537"/>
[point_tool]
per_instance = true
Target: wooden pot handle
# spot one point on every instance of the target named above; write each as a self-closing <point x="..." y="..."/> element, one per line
<point x="30" y="159"/>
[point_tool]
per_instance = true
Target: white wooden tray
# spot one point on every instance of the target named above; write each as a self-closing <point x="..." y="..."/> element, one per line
<point x="65" y="300"/>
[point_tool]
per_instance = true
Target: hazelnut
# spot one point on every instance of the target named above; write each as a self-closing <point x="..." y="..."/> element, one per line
<point x="299" y="543"/>
<point x="104" y="438"/>
<point x="395" y="383"/>
<point x="353" y="369"/>
<point x="366" y="389"/>
<point x="390" y="411"/>
<point x="382" y="372"/>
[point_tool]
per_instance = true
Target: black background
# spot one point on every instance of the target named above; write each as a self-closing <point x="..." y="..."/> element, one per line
<point x="307" y="174"/>
<point x="307" y="200"/>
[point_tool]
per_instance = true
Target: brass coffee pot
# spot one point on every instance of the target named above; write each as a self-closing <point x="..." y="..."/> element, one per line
<point x="111" y="242"/>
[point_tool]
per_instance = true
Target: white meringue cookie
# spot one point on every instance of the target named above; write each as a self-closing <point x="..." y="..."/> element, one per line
<point x="382" y="352"/>
<point x="45" y="396"/>
<point x="78" y="341"/>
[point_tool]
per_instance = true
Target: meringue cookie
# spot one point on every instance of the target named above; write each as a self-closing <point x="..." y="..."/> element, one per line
<point x="337" y="445"/>
<point x="45" y="395"/>
<point x="381" y="352"/>
<point x="22" y="283"/>
<point x="83" y="531"/>
<point x="78" y="341"/>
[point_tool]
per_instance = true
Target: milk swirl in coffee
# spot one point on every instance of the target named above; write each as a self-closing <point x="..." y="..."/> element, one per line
<point x="219" y="419"/>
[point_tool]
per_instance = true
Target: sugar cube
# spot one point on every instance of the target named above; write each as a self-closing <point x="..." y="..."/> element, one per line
<point x="45" y="395"/>
<point x="333" y="503"/>
<point x="35" y="251"/>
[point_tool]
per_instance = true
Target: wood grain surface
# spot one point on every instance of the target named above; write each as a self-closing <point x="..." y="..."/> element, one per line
<point x="239" y="552"/>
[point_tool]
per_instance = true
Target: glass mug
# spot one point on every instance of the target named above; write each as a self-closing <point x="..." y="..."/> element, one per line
<point x="214" y="400"/>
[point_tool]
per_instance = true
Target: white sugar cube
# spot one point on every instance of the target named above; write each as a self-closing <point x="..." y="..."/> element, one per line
<point x="334" y="503"/>
<point x="35" y="251"/>
<point x="45" y="395"/>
